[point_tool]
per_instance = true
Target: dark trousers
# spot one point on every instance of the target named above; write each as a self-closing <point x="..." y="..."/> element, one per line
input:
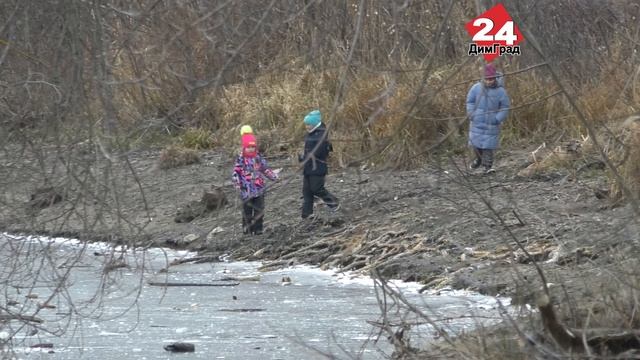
<point x="313" y="186"/>
<point x="253" y="215"/>
<point x="484" y="157"/>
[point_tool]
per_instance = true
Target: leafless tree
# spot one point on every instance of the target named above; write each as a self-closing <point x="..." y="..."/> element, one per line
<point x="84" y="83"/>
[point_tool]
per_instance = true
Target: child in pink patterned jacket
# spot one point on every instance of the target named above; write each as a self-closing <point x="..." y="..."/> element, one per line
<point x="248" y="176"/>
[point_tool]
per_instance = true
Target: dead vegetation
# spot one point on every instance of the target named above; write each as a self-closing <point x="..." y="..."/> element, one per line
<point x="174" y="156"/>
<point x="626" y="156"/>
<point x="212" y="200"/>
<point x="390" y="77"/>
<point x="355" y="249"/>
<point x="45" y="197"/>
<point x="622" y="147"/>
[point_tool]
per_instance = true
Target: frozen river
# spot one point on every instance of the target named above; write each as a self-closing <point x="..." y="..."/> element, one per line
<point x="92" y="315"/>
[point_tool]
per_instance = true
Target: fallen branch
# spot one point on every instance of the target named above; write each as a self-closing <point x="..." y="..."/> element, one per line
<point x="356" y="265"/>
<point x="567" y="339"/>
<point x="574" y="340"/>
<point x="8" y="317"/>
<point x="155" y="283"/>
<point x="197" y="260"/>
<point x="277" y="264"/>
<point x="241" y="278"/>
<point x="318" y="244"/>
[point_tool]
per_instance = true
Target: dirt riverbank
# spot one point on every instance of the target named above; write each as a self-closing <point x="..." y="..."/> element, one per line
<point x="439" y="224"/>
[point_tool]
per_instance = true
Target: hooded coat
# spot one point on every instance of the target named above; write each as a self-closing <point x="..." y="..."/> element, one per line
<point x="248" y="176"/>
<point x="487" y="108"/>
<point x="316" y="152"/>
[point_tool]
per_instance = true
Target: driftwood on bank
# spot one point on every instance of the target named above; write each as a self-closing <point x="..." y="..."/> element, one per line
<point x="353" y="248"/>
<point x="360" y="249"/>
<point x="366" y="252"/>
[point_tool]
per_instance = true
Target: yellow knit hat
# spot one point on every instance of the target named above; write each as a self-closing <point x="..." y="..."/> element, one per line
<point x="246" y="129"/>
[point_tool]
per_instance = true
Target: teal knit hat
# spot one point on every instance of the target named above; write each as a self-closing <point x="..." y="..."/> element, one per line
<point x="313" y="118"/>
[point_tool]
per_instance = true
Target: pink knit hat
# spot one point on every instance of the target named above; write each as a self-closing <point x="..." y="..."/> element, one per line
<point x="489" y="71"/>
<point x="249" y="145"/>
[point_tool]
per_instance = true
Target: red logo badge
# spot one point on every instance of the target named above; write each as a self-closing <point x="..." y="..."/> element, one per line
<point x="494" y="34"/>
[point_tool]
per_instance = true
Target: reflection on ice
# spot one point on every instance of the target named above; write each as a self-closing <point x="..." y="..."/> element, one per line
<point x="119" y="315"/>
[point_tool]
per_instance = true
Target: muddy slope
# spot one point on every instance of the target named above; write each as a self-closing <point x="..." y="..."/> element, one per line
<point x="439" y="225"/>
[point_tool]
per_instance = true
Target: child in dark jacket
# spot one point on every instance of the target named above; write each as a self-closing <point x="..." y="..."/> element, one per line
<point x="248" y="176"/>
<point x="316" y="152"/>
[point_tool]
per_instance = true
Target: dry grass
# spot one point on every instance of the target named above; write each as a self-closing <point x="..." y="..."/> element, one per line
<point x="174" y="156"/>
<point x="538" y="113"/>
<point x="483" y="344"/>
<point x="196" y="138"/>
<point x="382" y="119"/>
<point x="627" y="158"/>
<point x="567" y="156"/>
<point x="378" y="116"/>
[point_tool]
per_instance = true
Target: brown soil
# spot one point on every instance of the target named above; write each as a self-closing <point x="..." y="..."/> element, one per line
<point x="437" y="224"/>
